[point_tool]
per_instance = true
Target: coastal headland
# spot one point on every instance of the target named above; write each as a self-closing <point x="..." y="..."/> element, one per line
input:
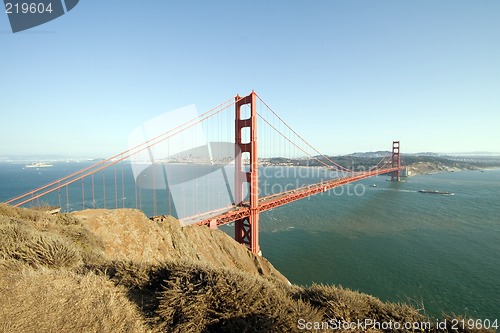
<point x="424" y="163"/>
<point x="119" y="271"/>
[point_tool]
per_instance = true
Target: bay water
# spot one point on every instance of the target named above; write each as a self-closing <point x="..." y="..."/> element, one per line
<point x="438" y="252"/>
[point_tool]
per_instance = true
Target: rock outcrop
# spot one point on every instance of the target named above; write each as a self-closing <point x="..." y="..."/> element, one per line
<point x="127" y="234"/>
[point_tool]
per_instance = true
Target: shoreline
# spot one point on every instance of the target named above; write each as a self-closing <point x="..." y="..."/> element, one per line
<point x="426" y="168"/>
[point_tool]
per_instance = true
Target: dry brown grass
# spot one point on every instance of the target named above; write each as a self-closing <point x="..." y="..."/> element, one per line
<point x="200" y="299"/>
<point x="192" y="297"/>
<point x="25" y="244"/>
<point x="38" y="238"/>
<point x="57" y="300"/>
<point x="347" y="305"/>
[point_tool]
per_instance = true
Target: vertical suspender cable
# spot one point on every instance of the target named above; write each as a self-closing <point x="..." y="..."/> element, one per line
<point x="59" y="193"/>
<point x="136" y="192"/>
<point x="93" y="192"/>
<point x="67" y="198"/>
<point x="104" y="188"/>
<point x="83" y="193"/>
<point x="154" y="188"/>
<point x="116" y="190"/>
<point x="123" y="187"/>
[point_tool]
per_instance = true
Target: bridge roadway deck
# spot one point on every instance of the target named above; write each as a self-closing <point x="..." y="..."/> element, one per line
<point x="234" y="213"/>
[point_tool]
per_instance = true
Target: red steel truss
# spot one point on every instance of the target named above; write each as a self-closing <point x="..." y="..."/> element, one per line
<point x="277" y="200"/>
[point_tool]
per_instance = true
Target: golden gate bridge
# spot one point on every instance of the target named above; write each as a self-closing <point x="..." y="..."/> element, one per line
<point x="226" y="140"/>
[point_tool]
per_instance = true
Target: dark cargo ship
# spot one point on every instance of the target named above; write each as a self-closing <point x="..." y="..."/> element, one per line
<point x="436" y="192"/>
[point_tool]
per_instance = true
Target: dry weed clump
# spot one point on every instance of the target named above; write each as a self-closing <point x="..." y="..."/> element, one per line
<point x="39" y="218"/>
<point x="21" y="242"/>
<point x="187" y="296"/>
<point x="57" y="300"/>
<point x="63" y="224"/>
<point x="347" y="305"/>
<point x="39" y="238"/>
<point x="200" y="299"/>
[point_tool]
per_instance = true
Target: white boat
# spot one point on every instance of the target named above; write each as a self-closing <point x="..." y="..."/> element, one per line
<point x="39" y="165"/>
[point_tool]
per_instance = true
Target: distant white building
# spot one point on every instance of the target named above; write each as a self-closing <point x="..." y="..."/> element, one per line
<point x="405" y="172"/>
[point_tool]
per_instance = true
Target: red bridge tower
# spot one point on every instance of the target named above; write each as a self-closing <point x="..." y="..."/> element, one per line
<point x="396" y="161"/>
<point x="247" y="229"/>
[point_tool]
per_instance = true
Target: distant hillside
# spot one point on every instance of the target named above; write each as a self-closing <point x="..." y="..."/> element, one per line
<point x="117" y="271"/>
<point x="418" y="163"/>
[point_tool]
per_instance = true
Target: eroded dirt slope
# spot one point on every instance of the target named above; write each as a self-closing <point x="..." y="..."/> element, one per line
<point x="127" y="234"/>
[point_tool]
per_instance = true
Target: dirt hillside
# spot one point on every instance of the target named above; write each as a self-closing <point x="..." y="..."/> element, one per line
<point x="127" y="234"/>
<point x="117" y="271"/>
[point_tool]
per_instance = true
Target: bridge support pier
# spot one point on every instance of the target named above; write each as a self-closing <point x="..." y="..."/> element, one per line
<point x="396" y="161"/>
<point x="247" y="230"/>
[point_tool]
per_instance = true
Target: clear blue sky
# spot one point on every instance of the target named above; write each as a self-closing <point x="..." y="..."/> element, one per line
<point x="347" y="75"/>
